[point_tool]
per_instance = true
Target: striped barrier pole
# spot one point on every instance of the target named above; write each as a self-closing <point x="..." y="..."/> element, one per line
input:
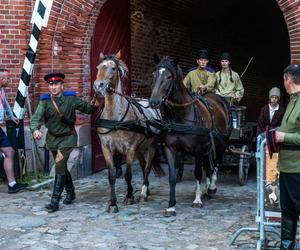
<point x="40" y="17"/>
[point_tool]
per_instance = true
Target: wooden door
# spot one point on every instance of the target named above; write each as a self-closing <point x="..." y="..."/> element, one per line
<point x="111" y="34"/>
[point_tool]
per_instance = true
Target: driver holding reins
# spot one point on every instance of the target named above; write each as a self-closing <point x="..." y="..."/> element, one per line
<point x="201" y="79"/>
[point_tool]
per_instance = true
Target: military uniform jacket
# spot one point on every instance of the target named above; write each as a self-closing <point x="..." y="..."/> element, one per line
<point x="289" y="160"/>
<point x="60" y="134"/>
<point x="227" y="88"/>
<point x="200" y="77"/>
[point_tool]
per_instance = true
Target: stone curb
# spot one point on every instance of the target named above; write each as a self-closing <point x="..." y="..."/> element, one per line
<point x="41" y="185"/>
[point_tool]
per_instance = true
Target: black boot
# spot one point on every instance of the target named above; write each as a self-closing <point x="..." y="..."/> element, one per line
<point x="288" y="234"/>
<point x="69" y="189"/>
<point x="58" y="188"/>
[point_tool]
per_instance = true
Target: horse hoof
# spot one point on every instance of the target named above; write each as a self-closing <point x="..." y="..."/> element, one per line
<point x="206" y="196"/>
<point x="169" y="213"/>
<point x="113" y="209"/>
<point x="197" y="205"/>
<point x="142" y="198"/>
<point x="129" y="201"/>
<point x="212" y="191"/>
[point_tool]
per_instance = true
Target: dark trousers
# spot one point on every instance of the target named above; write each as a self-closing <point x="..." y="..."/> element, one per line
<point x="290" y="195"/>
<point x="61" y="158"/>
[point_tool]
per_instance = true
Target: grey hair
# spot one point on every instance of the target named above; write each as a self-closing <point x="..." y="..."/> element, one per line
<point x="293" y="72"/>
<point x="3" y="70"/>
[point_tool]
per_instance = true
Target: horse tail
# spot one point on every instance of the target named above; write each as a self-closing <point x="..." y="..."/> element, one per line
<point x="156" y="166"/>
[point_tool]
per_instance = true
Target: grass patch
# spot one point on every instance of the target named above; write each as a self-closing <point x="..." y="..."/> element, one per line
<point x="29" y="178"/>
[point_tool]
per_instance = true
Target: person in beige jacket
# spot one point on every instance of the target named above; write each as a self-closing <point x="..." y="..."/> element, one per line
<point x="202" y="78"/>
<point x="228" y="82"/>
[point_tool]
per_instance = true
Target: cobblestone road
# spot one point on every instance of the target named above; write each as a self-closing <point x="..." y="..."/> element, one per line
<point x="85" y="224"/>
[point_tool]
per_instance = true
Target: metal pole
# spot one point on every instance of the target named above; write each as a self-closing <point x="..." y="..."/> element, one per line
<point x="33" y="145"/>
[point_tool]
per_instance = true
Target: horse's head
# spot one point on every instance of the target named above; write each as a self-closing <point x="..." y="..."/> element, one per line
<point x="166" y="73"/>
<point x="110" y="72"/>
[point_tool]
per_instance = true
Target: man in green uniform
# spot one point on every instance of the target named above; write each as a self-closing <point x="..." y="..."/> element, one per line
<point x="289" y="159"/>
<point x="58" y="111"/>
<point x="201" y="79"/>
<point x="228" y="82"/>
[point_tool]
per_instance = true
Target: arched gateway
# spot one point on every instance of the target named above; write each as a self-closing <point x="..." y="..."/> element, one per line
<point x="78" y="30"/>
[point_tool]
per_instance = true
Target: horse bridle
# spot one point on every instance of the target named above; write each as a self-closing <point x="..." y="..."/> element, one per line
<point x="170" y="88"/>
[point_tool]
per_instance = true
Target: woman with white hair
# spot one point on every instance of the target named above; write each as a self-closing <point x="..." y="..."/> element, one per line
<point x="271" y="114"/>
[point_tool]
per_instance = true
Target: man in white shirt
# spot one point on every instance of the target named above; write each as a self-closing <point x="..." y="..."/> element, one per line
<point x="5" y="145"/>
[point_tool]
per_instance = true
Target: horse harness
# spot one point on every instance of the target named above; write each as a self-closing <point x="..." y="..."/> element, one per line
<point x="129" y="125"/>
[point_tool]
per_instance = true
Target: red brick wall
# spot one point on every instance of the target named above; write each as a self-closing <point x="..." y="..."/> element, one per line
<point x="291" y="12"/>
<point x="64" y="44"/>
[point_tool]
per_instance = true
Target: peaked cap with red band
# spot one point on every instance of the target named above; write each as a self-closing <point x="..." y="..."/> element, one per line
<point x="54" y="77"/>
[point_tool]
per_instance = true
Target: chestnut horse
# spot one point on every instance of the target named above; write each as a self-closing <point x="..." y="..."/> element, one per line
<point x="194" y="125"/>
<point x="123" y="113"/>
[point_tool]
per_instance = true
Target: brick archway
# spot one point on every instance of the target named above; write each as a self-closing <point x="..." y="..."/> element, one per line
<point x="291" y="13"/>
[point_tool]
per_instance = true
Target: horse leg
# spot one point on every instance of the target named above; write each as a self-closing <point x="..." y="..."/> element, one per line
<point x="129" y="200"/>
<point x="112" y="208"/>
<point x="212" y="188"/>
<point x="179" y="166"/>
<point x="198" y="175"/>
<point x="170" y="155"/>
<point x="145" y="185"/>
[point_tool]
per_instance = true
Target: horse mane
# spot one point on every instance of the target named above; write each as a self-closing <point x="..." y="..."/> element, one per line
<point x="123" y="69"/>
<point x="171" y="64"/>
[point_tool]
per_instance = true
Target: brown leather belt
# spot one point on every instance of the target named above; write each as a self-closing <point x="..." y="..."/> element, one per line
<point x="63" y="134"/>
<point x="290" y="147"/>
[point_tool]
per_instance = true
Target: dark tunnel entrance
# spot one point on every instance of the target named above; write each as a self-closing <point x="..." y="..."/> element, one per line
<point x="246" y="28"/>
<point x="243" y="28"/>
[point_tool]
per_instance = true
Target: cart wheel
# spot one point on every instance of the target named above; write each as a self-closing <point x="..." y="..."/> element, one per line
<point x="243" y="166"/>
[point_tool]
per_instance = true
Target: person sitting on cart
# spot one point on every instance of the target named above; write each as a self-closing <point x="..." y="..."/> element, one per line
<point x="271" y="114"/>
<point x="201" y="79"/>
<point x="228" y="82"/>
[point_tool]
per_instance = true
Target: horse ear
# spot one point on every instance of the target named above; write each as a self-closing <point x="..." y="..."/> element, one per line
<point x="101" y="56"/>
<point x="118" y="55"/>
<point x="176" y="61"/>
<point x="156" y="58"/>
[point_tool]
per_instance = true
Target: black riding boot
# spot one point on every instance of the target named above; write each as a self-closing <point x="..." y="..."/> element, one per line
<point x="69" y="189"/>
<point x="288" y="234"/>
<point x="58" y="188"/>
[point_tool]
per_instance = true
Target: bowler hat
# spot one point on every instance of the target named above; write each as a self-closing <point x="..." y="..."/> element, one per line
<point x="225" y="56"/>
<point x="203" y="54"/>
<point x="54" y="77"/>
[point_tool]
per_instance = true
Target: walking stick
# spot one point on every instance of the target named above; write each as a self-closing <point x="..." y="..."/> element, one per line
<point x="246" y="67"/>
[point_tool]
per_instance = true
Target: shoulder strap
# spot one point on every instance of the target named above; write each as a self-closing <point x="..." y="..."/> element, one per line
<point x="70" y="93"/>
<point x="60" y="113"/>
<point x="44" y="97"/>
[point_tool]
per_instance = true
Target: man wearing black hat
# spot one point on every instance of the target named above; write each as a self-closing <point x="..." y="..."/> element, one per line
<point x="201" y="79"/>
<point x="58" y="111"/>
<point x="288" y="138"/>
<point x="228" y="82"/>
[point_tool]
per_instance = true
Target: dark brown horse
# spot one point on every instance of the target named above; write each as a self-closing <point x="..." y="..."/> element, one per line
<point x="193" y="126"/>
<point x="120" y="114"/>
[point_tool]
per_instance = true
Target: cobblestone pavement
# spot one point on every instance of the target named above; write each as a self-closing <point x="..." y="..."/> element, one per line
<point x="85" y="224"/>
